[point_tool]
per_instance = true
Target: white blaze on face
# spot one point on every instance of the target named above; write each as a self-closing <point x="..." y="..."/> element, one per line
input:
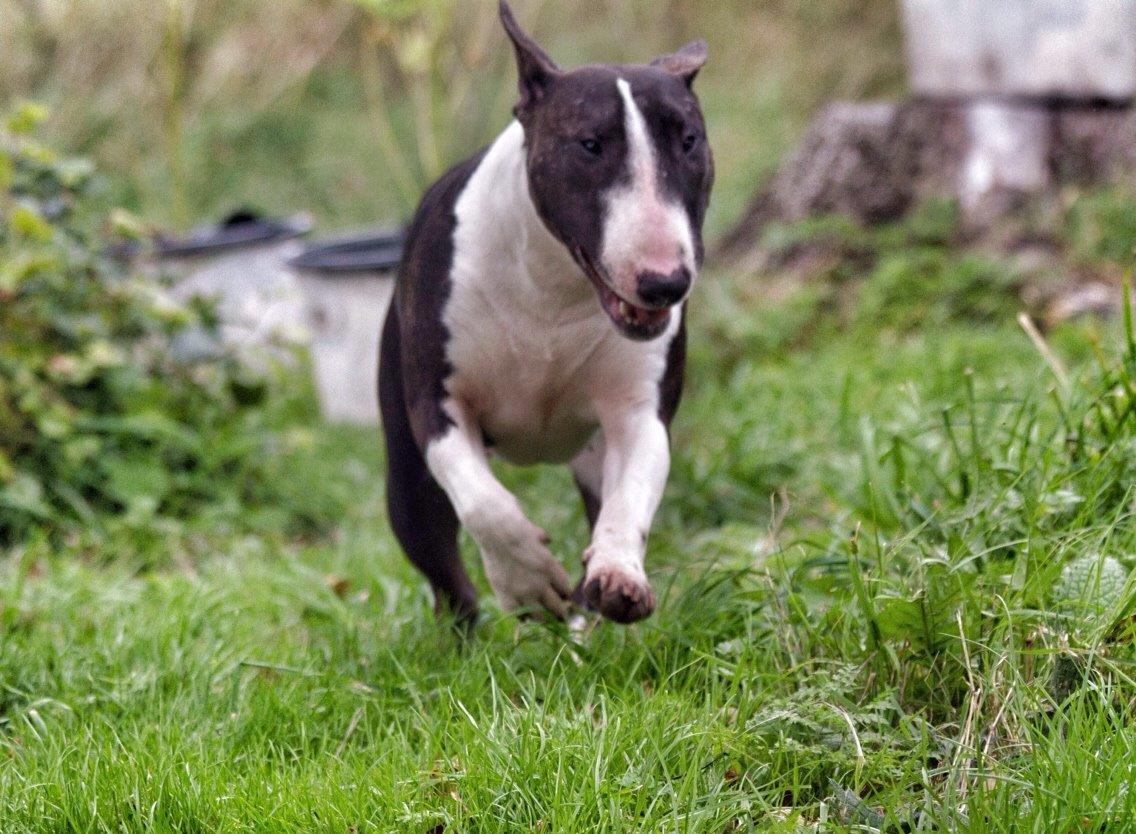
<point x="644" y="231"/>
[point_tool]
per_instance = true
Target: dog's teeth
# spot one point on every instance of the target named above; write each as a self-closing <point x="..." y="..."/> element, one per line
<point x="625" y="310"/>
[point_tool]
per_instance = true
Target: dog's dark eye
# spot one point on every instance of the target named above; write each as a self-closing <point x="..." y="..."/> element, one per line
<point x="592" y="146"/>
<point x="689" y="142"/>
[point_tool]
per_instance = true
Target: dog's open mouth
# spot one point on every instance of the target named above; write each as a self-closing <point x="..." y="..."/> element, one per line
<point x="632" y="321"/>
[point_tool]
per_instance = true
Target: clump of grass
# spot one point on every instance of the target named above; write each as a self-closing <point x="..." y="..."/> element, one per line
<point x="1100" y="228"/>
<point x="810" y="280"/>
<point x="924" y="287"/>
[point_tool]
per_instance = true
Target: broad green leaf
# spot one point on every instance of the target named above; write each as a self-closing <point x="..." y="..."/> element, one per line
<point x="5" y="170"/>
<point x="26" y="222"/>
<point x="24" y="493"/>
<point x="135" y="480"/>
<point x="26" y="117"/>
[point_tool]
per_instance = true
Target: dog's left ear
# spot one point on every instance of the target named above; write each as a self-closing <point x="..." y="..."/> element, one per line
<point x="685" y="63"/>
<point x="535" y="70"/>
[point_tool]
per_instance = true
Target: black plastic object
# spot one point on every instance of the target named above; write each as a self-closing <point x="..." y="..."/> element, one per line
<point x="238" y="230"/>
<point x="378" y="251"/>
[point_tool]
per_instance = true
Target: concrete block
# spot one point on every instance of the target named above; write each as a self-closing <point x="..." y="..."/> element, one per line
<point x="1080" y="49"/>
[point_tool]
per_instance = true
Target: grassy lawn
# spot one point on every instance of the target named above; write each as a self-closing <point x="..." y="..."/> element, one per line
<point x="862" y="622"/>
<point x="892" y="561"/>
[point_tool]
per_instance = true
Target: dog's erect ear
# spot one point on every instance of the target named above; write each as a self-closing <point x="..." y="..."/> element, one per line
<point x="535" y="70"/>
<point x="685" y="63"/>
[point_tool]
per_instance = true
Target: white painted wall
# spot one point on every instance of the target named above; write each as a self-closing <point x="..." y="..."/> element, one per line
<point x="344" y="315"/>
<point x="1073" y="48"/>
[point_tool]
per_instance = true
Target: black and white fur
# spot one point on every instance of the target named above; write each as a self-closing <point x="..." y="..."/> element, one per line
<point x="538" y="316"/>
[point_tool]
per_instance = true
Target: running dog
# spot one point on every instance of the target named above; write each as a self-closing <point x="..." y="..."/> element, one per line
<point x="538" y="315"/>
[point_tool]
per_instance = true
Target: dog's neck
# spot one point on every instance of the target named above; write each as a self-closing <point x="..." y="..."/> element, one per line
<point x="528" y="260"/>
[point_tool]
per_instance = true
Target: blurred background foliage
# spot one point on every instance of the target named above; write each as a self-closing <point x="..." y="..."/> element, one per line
<point x="348" y="107"/>
<point x="107" y="428"/>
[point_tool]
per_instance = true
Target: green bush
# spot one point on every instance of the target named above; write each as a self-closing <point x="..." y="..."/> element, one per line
<point x="913" y="289"/>
<point x="1101" y="227"/>
<point x="97" y="420"/>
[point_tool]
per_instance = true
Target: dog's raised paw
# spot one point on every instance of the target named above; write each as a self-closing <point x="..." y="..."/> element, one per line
<point x="617" y="596"/>
<point x="523" y="572"/>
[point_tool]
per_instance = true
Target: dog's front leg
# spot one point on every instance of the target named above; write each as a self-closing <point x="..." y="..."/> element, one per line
<point x="518" y="564"/>
<point x="635" y="465"/>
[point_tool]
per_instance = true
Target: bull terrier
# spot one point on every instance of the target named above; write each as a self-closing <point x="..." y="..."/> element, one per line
<point x="538" y="316"/>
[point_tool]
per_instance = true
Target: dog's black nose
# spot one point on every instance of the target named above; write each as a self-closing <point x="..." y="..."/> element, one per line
<point x="658" y="290"/>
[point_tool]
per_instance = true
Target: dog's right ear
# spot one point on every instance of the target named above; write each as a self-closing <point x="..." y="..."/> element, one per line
<point x="535" y="70"/>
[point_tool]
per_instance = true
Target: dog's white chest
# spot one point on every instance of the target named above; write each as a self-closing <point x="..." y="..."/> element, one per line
<point x="537" y="378"/>
<point x="530" y="388"/>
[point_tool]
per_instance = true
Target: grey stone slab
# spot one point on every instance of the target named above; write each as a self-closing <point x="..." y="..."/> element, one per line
<point x="1043" y="48"/>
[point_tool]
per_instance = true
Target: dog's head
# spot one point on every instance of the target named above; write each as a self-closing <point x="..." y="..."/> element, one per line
<point x="620" y="172"/>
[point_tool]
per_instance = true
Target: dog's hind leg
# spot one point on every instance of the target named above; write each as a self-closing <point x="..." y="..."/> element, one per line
<point x="420" y="513"/>
<point x="587" y="471"/>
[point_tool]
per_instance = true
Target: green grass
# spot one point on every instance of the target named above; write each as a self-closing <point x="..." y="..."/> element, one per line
<point x="856" y="562"/>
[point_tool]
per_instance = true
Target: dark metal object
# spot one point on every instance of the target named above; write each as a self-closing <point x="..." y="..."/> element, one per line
<point x="240" y="229"/>
<point x="379" y="251"/>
